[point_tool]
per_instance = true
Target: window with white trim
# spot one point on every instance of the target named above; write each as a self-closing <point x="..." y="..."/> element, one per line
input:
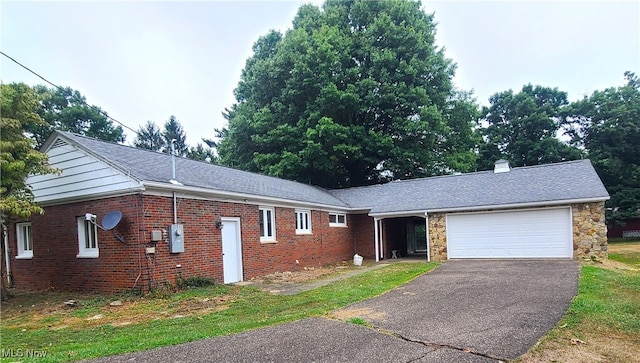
<point x="87" y="238"/>
<point x="267" y="224"/>
<point x="303" y="222"/>
<point x="25" y="240"/>
<point x="337" y="220"/>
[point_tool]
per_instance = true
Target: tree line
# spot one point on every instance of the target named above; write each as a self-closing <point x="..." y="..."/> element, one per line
<point x="358" y="93"/>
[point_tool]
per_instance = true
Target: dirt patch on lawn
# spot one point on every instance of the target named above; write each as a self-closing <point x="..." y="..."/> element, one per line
<point x="52" y="312"/>
<point x="364" y="313"/>
<point x="308" y="274"/>
<point x="607" y="348"/>
<point x="615" y="265"/>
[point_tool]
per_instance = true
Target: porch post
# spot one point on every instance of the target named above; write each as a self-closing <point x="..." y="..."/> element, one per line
<point x="426" y="222"/>
<point x="381" y="238"/>
<point x="376" y="238"/>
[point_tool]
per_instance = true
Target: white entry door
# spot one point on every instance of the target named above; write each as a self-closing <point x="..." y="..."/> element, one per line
<point x="231" y="250"/>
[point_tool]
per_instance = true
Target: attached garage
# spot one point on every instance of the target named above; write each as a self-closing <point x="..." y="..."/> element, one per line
<point x="536" y="233"/>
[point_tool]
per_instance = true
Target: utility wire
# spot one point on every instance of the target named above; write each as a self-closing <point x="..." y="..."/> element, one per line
<point x="72" y="95"/>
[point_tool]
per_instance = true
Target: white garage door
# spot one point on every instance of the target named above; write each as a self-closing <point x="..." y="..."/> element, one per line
<point x="540" y="233"/>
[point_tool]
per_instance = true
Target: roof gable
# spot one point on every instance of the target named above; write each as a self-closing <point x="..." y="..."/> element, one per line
<point x="151" y="166"/>
<point x="82" y="175"/>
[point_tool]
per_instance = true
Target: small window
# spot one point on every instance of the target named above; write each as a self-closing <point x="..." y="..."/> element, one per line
<point x="87" y="238"/>
<point x="267" y="224"/>
<point x="337" y="220"/>
<point x="25" y="240"/>
<point x="303" y="222"/>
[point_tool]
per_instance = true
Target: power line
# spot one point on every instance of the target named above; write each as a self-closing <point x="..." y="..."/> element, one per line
<point x="71" y="94"/>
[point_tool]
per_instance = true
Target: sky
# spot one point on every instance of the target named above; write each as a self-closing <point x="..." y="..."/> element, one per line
<point x="144" y="61"/>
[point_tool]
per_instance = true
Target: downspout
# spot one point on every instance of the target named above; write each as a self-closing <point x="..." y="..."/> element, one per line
<point x="426" y="222"/>
<point x="5" y="238"/>
<point x="376" y="238"/>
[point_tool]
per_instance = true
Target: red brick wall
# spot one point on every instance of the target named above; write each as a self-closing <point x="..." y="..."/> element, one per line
<point x="55" y="245"/>
<point x="118" y="266"/>
<point x="364" y="235"/>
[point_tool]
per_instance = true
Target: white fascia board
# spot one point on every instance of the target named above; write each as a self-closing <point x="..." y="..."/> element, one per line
<point x="87" y="197"/>
<point x="167" y="189"/>
<point x="485" y="207"/>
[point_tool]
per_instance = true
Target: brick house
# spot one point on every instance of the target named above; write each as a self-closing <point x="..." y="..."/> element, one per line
<point x="119" y="217"/>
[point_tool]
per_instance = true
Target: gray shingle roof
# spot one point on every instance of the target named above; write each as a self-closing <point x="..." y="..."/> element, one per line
<point x="145" y="165"/>
<point x="573" y="180"/>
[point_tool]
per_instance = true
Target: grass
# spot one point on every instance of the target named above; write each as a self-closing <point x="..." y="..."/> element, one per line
<point x="95" y="329"/>
<point x="603" y="321"/>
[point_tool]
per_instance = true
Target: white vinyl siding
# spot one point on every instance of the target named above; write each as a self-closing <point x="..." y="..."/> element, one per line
<point x="87" y="238"/>
<point x="303" y="222"/>
<point x="337" y="220"/>
<point x="82" y="175"/>
<point x="25" y="240"/>
<point x="267" y="224"/>
<point x="536" y="233"/>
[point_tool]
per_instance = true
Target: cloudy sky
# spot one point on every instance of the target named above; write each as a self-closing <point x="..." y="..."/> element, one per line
<point x="145" y="60"/>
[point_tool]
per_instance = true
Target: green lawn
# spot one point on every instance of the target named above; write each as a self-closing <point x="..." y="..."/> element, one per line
<point x="67" y="336"/>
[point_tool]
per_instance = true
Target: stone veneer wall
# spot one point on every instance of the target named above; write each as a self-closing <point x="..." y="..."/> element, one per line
<point x="589" y="231"/>
<point x="438" y="236"/>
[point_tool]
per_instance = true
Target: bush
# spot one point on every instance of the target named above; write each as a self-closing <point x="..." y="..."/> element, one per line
<point x="194" y="281"/>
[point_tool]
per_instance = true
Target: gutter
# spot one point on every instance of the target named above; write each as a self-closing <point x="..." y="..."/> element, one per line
<point x="236" y="197"/>
<point x="492" y="206"/>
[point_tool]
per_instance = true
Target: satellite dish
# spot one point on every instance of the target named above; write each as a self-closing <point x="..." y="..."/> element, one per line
<point x="111" y="220"/>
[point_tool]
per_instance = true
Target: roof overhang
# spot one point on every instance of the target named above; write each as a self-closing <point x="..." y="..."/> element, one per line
<point x="422" y="212"/>
<point x="167" y="189"/>
<point x="91" y="196"/>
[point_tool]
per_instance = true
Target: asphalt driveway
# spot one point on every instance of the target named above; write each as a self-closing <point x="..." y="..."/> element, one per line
<point x="463" y="311"/>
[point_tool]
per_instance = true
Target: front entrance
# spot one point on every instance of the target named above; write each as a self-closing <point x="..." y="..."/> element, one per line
<point x="405" y="235"/>
<point x="231" y="250"/>
<point x="416" y="236"/>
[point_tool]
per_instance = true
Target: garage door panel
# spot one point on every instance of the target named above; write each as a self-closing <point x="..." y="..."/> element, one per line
<point x="516" y="234"/>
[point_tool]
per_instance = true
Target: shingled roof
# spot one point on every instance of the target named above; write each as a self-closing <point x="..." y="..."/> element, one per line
<point x="571" y="181"/>
<point x="150" y="166"/>
<point x="549" y="183"/>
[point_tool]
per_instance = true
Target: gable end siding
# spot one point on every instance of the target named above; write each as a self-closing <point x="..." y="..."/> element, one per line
<point x="82" y="175"/>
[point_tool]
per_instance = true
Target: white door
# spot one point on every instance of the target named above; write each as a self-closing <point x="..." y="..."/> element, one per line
<point x="540" y="233"/>
<point x="231" y="250"/>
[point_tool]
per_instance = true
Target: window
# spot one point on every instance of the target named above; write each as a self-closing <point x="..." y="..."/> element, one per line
<point x="337" y="220"/>
<point x="25" y="240"/>
<point x="303" y="222"/>
<point x="87" y="238"/>
<point x="267" y="225"/>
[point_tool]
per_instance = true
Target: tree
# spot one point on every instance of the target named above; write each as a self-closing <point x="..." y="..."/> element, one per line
<point x="173" y="131"/>
<point x="522" y="128"/>
<point x="150" y="137"/>
<point x="607" y="125"/>
<point x="66" y="109"/>
<point x="202" y="153"/>
<point x="356" y="93"/>
<point x="19" y="158"/>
